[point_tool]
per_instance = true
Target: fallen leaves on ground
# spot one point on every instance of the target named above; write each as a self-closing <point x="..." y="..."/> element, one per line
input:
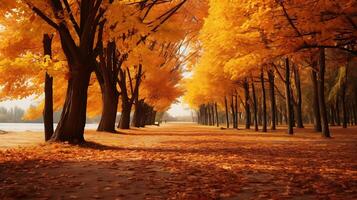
<point x="185" y="162"/>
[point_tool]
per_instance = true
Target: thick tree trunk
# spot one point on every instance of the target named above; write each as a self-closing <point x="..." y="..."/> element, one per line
<point x="299" y="98"/>
<point x="48" y="108"/>
<point x="145" y="114"/>
<point x="315" y="98"/>
<point x="107" y="75"/>
<point x="79" y="53"/>
<point x="272" y="99"/>
<point x="227" y="111"/>
<point x="124" y="122"/>
<point x="289" y="109"/>
<point x="324" y="121"/>
<point x="247" y="103"/>
<point x="138" y="113"/>
<point x="73" y="118"/>
<point x="255" y="108"/>
<point x="110" y="99"/>
<point x="264" y="106"/>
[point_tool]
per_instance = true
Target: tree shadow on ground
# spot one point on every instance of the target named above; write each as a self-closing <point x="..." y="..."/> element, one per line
<point x="143" y="178"/>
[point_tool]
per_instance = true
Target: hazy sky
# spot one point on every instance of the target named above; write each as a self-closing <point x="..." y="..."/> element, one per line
<point x="179" y="109"/>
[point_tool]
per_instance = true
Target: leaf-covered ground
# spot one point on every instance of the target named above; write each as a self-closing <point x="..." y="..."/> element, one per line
<point x="182" y="161"/>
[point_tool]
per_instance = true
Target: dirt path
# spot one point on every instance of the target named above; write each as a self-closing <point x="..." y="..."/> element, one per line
<point x="181" y="161"/>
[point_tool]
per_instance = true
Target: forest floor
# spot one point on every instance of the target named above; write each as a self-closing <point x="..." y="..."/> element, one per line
<point x="181" y="161"/>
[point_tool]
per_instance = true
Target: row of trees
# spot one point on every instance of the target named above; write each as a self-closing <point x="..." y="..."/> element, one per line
<point x="298" y="54"/>
<point x="107" y="52"/>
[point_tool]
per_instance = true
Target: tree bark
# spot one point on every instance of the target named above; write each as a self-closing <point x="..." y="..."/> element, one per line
<point x="289" y="108"/>
<point x="272" y="99"/>
<point x="127" y="102"/>
<point x="233" y="112"/>
<point x="138" y="112"/>
<point x="236" y="110"/>
<point x="264" y="111"/>
<point x="110" y="99"/>
<point x="73" y="118"/>
<point x="299" y="98"/>
<point x="48" y="108"/>
<point x="80" y="52"/>
<point x="227" y="115"/>
<point x="124" y="122"/>
<point x="315" y="98"/>
<point x="107" y="77"/>
<point x="255" y="107"/>
<point x="247" y="103"/>
<point x="321" y="84"/>
<point x="216" y="110"/>
<point x="213" y="114"/>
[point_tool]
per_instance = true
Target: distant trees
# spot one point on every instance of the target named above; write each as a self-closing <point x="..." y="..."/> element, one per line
<point x="12" y="115"/>
<point x="294" y="38"/>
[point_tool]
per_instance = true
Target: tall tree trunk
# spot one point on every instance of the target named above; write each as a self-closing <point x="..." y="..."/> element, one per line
<point x="124" y="122"/>
<point x="138" y="113"/>
<point x="48" y="108"/>
<point x="216" y="110"/>
<point x="227" y="111"/>
<point x="324" y="122"/>
<point x="110" y="99"/>
<point x="315" y="98"/>
<point x="236" y="110"/>
<point x="206" y="114"/>
<point x="233" y="112"/>
<point x="212" y="113"/>
<point x="255" y="107"/>
<point x="247" y="103"/>
<point x="289" y="109"/>
<point x="264" y="109"/>
<point x="107" y="75"/>
<point x="299" y="97"/>
<point x="272" y="99"/>
<point x="127" y="102"/>
<point x="209" y="114"/>
<point x="73" y="118"/>
<point x="337" y="107"/>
